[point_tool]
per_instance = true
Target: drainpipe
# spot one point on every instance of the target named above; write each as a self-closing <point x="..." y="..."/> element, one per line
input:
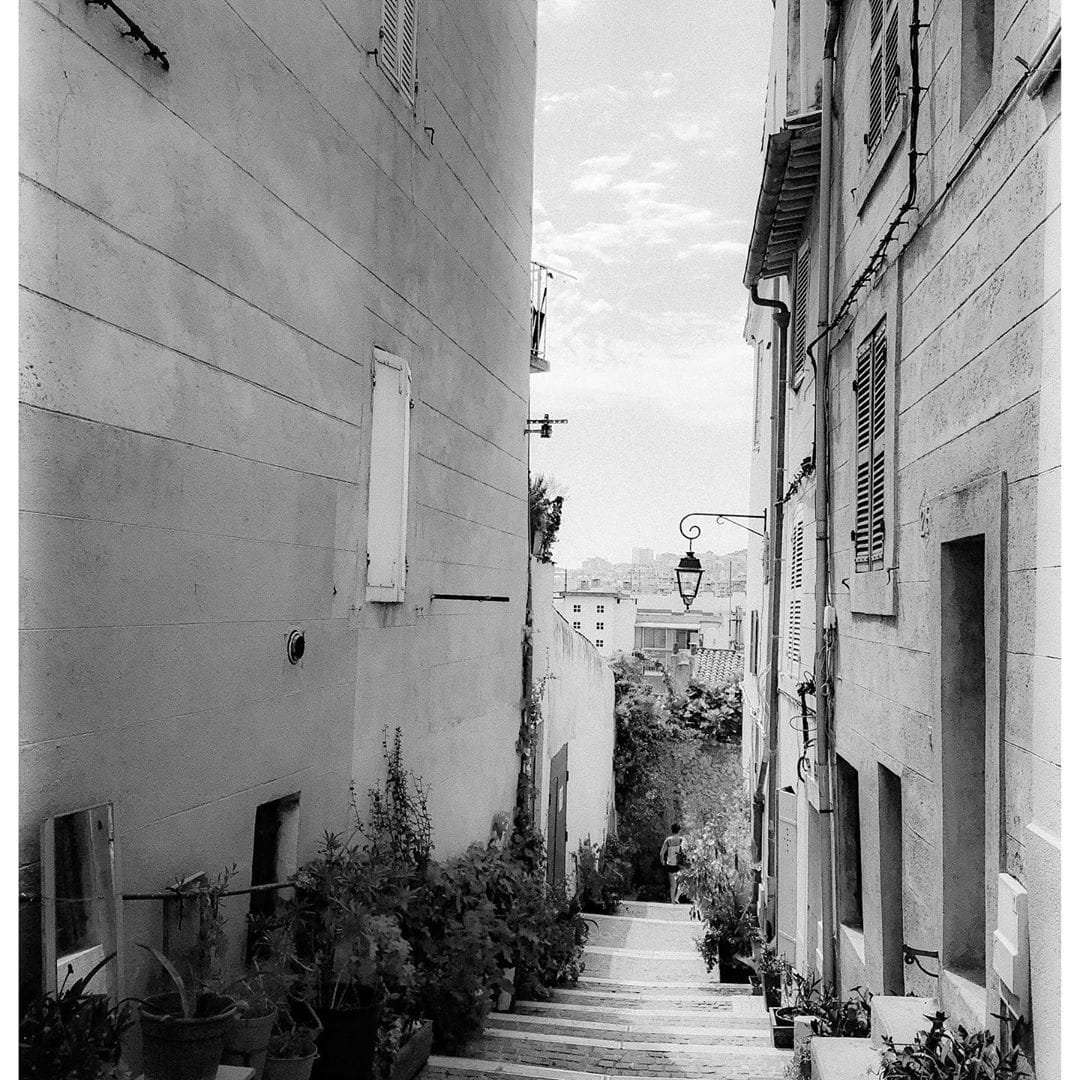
<point x="823" y="687"/>
<point x="782" y="318"/>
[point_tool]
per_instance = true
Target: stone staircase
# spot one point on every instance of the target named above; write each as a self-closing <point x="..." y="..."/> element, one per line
<point x="643" y="1009"/>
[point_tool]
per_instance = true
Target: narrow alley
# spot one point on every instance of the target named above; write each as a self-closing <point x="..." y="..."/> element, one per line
<point x="642" y="1008"/>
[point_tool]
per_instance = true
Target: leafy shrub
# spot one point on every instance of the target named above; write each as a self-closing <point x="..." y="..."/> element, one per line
<point x="714" y="712"/>
<point x="73" y="1035"/>
<point x="545" y="516"/>
<point x="601" y="875"/>
<point x="944" y="1054"/>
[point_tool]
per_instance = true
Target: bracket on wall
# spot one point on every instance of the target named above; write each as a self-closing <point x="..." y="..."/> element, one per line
<point x="911" y="956"/>
<point x="133" y="31"/>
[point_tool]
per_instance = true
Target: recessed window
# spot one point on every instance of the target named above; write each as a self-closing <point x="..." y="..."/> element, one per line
<point x="577" y="608"/>
<point x="849" y="837"/>
<point x="599" y="626"/>
<point x="599" y="609"/>
<point x="600" y="643"/>
<point x="976" y="54"/>
<point x="274" y="850"/>
<point x="577" y="625"/>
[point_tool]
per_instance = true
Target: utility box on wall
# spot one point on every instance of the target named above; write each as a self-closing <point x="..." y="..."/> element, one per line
<point x="1011" y="961"/>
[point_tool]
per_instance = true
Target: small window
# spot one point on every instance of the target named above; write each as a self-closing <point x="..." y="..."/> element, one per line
<point x="274" y="851"/>
<point x="397" y="45"/>
<point x="870" y="457"/>
<point x="599" y="609"/>
<point x="849" y="841"/>
<point x="600" y="643"/>
<point x="976" y="54"/>
<point x="884" y="74"/>
<point x="388" y="479"/>
<point x="577" y="625"/>
<point x="753" y="643"/>
<point x="599" y="626"/>
<point x="577" y="608"/>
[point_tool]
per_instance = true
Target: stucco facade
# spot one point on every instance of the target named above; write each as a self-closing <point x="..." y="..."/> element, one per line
<point x="210" y="257"/>
<point x="578" y="710"/>
<point x="605" y="618"/>
<point x="945" y="658"/>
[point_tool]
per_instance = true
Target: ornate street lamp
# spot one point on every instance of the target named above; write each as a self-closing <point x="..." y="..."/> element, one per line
<point x="689" y="571"/>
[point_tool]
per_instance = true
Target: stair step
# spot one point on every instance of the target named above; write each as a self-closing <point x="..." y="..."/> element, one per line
<point x="718" y="1013"/>
<point x="611" y="1057"/>
<point x="459" y="1068"/>
<point x="513" y="1024"/>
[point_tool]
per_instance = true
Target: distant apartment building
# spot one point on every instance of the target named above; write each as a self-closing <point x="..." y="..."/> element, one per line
<point x="274" y="482"/>
<point x="664" y="628"/>
<point x="605" y="617"/>
<point x="905" y="343"/>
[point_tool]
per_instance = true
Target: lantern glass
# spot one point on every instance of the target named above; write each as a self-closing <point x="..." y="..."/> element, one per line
<point x="688" y="575"/>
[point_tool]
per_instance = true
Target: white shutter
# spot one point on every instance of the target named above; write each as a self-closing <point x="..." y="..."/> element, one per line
<point x="389" y="38"/>
<point x="388" y="479"/>
<point x="794" y="619"/>
<point x="802" y="303"/>
<point x="871" y="376"/>
<point x="407" y="67"/>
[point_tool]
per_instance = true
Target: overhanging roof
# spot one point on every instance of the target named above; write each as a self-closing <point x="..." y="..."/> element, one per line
<point x="788" y="188"/>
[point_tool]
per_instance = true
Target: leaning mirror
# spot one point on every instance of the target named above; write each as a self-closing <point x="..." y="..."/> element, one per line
<point x="80" y="904"/>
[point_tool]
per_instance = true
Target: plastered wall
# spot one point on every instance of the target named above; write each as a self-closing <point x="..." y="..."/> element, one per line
<point x="209" y="256"/>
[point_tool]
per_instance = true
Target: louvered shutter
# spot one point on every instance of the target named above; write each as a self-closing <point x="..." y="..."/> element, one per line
<point x="397" y="44"/>
<point x="863" y="453"/>
<point x="802" y="300"/>
<point x="389" y="39"/>
<point x="891" y="74"/>
<point x="877" y="485"/>
<point x="873" y="126"/>
<point x="408" y="48"/>
<point x="794" y="617"/>
<point x="388" y="479"/>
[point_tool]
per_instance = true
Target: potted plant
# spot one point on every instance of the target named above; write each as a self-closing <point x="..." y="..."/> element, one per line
<point x="353" y="958"/>
<point x="249" y="1038"/>
<point x="771" y="969"/>
<point x="292" y="1050"/>
<point x="183" y="1032"/>
<point x="74" y="1034"/>
<point x="944" y="1054"/>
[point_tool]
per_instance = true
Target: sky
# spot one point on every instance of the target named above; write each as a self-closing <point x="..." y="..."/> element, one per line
<point x="648" y="134"/>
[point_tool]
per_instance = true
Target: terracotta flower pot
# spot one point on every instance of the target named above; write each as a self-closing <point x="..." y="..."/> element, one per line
<point x="248" y="1041"/>
<point x="179" y="1049"/>
<point x="298" y="1068"/>
<point x="346" y="1043"/>
<point x="414" y="1052"/>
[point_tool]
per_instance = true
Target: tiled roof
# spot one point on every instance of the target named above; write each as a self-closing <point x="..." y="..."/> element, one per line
<point x="717" y="667"/>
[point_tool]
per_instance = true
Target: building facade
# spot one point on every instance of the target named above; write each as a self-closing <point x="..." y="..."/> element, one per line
<point x="275" y="363"/>
<point x="904" y="263"/>
<point x="604" y="617"/>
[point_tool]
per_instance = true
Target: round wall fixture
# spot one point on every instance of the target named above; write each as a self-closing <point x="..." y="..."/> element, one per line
<point x="294" y="646"/>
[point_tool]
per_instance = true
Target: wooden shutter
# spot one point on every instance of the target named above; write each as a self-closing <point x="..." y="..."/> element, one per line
<point x="871" y="377"/>
<point x="794" y="615"/>
<point x="874" y="120"/>
<point x="389" y="38"/>
<point x="388" y="479"/>
<point x="397" y="44"/>
<point x="802" y="301"/>
<point x="891" y="73"/>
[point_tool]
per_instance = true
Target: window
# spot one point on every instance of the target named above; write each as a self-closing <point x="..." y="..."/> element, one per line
<point x="577" y="608"/>
<point x="599" y="626"/>
<point x="653" y="637"/>
<point x="273" y="854"/>
<point x="801" y="318"/>
<point x="884" y="90"/>
<point x="600" y="643"/>
<point x="599" y="609"/>
<point x="976" y="54"/>
<point x="794" y="614"/>
<point x="753" y="643"/>
<point x="397" y="45"/>
<point x="577" y="625"/>
<point x="870" y="379"/>
<point x="759" y="351"/>
<point x="388" y="479"/>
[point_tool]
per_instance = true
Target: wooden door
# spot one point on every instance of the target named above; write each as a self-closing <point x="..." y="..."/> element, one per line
<point x="556" y="839"/>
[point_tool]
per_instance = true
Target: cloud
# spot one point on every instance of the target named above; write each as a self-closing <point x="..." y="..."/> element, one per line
<point x="606" y="162"/>
<point x="659" y="86"/>
<point x="664" y="167"/>
<point x="591" y="181"/>
<point x="714" y="247"/>
<point x="688" y="130"/>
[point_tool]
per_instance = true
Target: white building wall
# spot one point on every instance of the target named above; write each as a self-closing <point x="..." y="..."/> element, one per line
<point x="210" y="256"/>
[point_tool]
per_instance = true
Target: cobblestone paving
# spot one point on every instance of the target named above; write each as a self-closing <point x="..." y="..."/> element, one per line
<point x="644" y="1009"/>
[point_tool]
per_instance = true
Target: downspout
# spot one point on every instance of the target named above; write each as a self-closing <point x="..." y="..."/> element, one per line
<point x="823" y="686"/>
<point x="782" y="318"/>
